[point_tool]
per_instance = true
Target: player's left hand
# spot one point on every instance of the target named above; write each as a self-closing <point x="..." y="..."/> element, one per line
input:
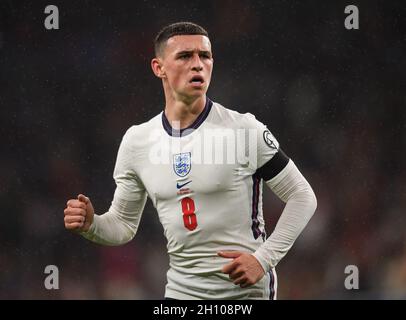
<point x="244" y="270"/>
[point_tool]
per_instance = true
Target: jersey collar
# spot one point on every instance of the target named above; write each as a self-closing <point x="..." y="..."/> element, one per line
<point x="196" y="124"/>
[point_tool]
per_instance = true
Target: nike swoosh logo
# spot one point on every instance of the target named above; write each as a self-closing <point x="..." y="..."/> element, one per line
<point x="179" y="186"/>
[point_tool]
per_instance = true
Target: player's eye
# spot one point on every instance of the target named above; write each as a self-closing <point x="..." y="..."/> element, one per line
<point x="184" y="56"/>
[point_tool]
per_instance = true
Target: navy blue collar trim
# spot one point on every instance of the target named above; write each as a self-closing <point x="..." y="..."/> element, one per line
<point x="184" y="132"/>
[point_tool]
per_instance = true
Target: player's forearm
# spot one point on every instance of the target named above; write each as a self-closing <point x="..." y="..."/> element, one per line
<point x="291" y="187"/>
<point x="119" y="225"/>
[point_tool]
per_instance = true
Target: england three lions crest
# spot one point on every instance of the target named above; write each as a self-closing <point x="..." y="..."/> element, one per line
<point x="182" y="163"/>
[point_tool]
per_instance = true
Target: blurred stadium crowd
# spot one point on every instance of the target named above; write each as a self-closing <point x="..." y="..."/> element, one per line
<point x="334" y="98"/>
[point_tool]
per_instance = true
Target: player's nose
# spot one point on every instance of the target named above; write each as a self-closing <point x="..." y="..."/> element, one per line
<point x="197" y="64"/>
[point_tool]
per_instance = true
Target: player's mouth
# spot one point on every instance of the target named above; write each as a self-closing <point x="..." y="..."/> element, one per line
<point x="197" y="80"/>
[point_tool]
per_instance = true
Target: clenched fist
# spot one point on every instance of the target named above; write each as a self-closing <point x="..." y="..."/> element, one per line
<point x="79" y="214"/>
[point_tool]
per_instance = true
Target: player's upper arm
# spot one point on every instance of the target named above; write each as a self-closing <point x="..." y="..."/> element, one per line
<point x="129" y="185"/>
<point x="265" y="154"/>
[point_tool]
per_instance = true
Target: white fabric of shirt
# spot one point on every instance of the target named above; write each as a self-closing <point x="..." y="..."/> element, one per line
<point x="226" y="199"/>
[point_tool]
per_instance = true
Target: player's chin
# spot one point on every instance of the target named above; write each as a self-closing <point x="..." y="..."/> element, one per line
<point x="198" y="90"/>
<point x="193" y="94"/>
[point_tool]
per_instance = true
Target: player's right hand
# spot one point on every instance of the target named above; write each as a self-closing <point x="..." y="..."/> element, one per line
<point x="79" y="214"/>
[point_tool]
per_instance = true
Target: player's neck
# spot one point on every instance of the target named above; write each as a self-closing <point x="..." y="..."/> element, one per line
<point x="182" y="114"/>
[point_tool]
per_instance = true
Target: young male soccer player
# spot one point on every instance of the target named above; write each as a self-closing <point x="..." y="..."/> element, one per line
<point x="211" y="209"/>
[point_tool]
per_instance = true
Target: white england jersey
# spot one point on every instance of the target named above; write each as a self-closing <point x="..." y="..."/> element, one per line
<point x="202" y="182"/>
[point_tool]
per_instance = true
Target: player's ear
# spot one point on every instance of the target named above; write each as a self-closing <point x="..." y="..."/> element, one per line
<point x="157" y="68"/>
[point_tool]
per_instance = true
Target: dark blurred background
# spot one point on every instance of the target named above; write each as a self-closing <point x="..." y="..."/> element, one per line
<point x="334" y="98"/>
